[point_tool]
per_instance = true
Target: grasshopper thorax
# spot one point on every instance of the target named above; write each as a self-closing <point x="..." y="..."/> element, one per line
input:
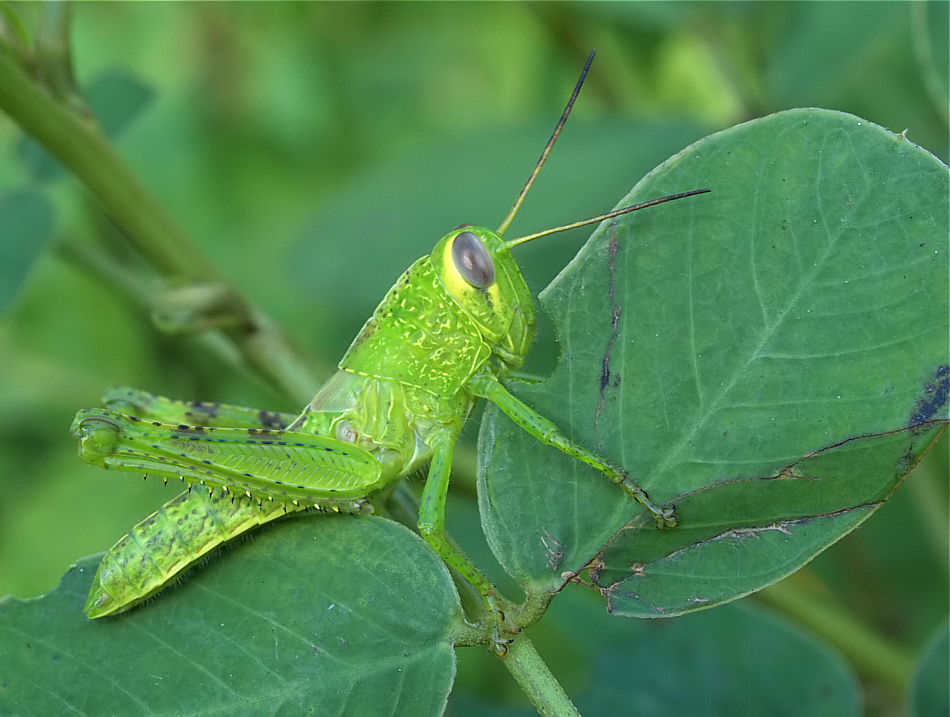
<point x="448" y="315"/>
<point x="476" y="267"/>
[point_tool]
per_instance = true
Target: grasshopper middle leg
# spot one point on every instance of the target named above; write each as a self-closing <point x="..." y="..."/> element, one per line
<point x="432" y="528"/>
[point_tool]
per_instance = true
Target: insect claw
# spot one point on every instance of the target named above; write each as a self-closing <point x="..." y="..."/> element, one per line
<point x="248" y="494"/>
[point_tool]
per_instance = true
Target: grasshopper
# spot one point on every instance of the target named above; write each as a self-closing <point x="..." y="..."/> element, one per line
<point x="454" y="325"/>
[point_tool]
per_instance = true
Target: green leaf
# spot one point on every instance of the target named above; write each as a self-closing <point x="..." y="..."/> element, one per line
<point x="26" y="221"/>
<point x="818" y="55"/>
<point x="930" y="690"/>
<point x="729" y="662"/>
<point x="770" y="357"/>
<point x="117" y="98"/>
<point x="739" y="660"/>
<point x="337" y="615"/>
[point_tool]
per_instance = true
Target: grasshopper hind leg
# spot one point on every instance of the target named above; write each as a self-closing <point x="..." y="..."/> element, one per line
<point x="152" y="407"/>
<point x="201" y="443"/>
<point x="170" y="541"/>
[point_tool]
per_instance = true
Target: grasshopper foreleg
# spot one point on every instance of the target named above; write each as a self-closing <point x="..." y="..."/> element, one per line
<point x="536" y="425"/>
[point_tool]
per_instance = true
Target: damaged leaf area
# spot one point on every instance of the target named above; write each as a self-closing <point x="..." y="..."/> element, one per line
<point x="771" y="358"/>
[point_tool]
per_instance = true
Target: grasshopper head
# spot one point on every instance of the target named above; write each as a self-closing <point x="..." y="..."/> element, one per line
<point x="476" y="267"/>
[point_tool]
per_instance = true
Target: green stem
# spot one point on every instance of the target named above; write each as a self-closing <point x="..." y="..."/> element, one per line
<point x="530" y="671"/>
<point x="871" y="654"/>
<point x="100" y="265"/>
<point x="78" y="143"/>
<point x="532" y="609"/>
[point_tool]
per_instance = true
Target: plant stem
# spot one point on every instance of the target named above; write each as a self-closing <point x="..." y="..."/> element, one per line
<point x="871" y="654"/>
<point x="78" y="143"/>
<point x="530" y="671"/>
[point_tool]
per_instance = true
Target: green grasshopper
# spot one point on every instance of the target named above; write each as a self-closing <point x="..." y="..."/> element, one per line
<point x="455" y="323"/>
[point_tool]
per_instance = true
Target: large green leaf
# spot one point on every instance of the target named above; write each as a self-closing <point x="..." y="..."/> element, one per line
<point x="770" y="357"/>
<point x="740" y="660"/>
<point x="337" y="615"/>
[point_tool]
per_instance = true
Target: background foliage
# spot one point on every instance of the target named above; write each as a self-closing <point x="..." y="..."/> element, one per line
<point x="314" y="151"/>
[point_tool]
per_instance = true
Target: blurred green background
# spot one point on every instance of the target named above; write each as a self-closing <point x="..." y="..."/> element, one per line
<point x="313" y="151"/>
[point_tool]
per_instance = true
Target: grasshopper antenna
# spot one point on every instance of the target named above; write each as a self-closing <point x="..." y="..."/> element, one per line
<point x="547" y="149"/>
<point x="543" y="158"/>
<point x="602" y="217"/>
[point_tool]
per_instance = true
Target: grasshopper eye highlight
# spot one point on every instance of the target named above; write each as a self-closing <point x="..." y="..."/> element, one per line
<point x="473" y="261"/>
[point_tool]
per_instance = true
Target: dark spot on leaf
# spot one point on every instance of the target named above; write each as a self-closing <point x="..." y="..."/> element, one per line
<point x="907" y="461"/>
<point x="933" y="399"/>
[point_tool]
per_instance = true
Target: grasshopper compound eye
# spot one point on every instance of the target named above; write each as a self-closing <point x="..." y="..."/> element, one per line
<point x="473" y="261"/>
